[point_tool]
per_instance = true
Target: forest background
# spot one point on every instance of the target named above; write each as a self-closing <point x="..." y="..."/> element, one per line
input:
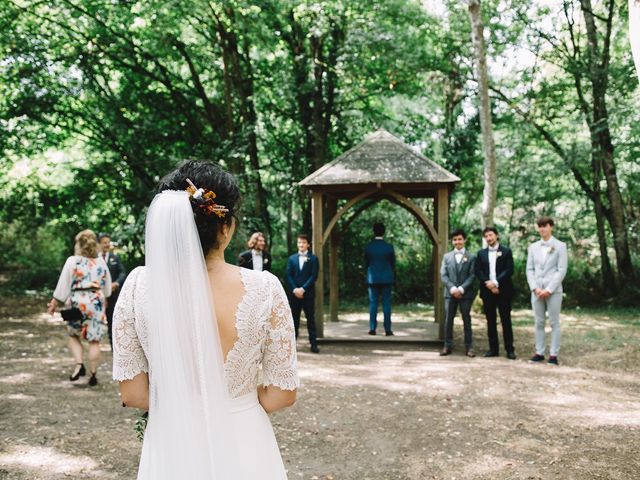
<point x="99" y="99"/>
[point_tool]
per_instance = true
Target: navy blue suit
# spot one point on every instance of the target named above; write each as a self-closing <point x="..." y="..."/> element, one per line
<point x="380" y="260"/>
<point x="502" y="301"/>
<point x="303" y="278"/>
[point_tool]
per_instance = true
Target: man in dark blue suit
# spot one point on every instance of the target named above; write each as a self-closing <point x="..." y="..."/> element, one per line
<point x="301" y="275"/>
<point x="380" y="260"/>
<point x="494" y="267"/>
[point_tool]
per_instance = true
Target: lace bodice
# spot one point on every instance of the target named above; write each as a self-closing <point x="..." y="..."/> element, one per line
<point x="265" y="352"/>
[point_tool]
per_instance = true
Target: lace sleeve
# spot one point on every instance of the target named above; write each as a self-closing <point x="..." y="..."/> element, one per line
<point x="128" y="356"/>
<point x="279" y="360"/>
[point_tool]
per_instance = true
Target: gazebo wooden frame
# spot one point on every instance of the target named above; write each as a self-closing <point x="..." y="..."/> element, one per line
<point x="381" y="167"/>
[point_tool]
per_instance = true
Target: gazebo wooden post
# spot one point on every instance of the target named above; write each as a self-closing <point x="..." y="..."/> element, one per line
<point x="318" y="230"/>
<point x="332" y="208"/>
<point x="442" y="226"/>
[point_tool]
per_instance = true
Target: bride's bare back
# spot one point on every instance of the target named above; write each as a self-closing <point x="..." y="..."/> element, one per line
<point x="227" y="290"/>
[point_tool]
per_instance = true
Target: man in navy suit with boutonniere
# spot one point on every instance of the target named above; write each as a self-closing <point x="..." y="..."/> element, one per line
<point x="301" y="276"/>
<point x="380" y="260"/>
<point x="494" y="268"/>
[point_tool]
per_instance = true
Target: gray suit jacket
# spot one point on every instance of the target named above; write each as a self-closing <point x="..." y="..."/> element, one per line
<point x="461" y="274"/>
<point x="547" y="266"/>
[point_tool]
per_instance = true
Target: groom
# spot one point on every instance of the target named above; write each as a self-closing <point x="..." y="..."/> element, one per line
<point x="546" y="268"/>
<point x="301" y="275"/>
<point x="380" y="260"/>
<point x="494" y="267"/>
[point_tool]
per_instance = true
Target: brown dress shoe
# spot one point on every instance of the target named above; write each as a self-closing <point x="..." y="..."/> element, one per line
<point x="471" y="353"/>
<point x="445" y="351"/>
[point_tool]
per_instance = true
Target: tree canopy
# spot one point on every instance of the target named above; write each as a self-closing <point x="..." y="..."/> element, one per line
<point x="99" y="99"/>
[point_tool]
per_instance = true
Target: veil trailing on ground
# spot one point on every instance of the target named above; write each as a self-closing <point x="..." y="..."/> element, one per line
<point x="189" y="433"/>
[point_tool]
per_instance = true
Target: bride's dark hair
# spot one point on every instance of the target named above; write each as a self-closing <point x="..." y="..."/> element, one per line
<point x="209" y="176"/>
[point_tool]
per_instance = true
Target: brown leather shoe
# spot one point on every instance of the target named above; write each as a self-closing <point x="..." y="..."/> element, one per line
<point x="445" y="351"/>
<point x="471" y="353"/>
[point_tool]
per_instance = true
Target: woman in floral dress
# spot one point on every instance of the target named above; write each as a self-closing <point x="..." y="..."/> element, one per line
<point x="85" y="282"/>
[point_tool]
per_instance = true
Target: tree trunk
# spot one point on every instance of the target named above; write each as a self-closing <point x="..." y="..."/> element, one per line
<point x="602" y="145"/>
<point x="490" y="191"/>
<point x="240" y="75"/>
<point x="608" y="278"/>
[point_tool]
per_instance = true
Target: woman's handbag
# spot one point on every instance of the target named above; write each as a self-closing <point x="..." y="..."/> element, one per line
<point x="72" y="314"/>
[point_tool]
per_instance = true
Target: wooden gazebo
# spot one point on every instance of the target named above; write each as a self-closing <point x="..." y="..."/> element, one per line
<point x="380" y="167"/>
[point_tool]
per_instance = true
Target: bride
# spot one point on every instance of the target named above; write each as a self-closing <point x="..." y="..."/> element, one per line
<point x="207" y="347"/>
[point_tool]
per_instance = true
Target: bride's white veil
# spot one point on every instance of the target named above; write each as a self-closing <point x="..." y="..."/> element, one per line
<point x="189" y="433"/>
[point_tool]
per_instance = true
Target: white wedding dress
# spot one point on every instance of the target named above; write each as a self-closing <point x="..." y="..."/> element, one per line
<point x="264" y="354"/>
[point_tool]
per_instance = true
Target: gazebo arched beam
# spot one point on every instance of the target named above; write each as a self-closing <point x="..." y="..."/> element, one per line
<point x="418" y="212"/>
<point x="343" y="210"/>
<point x="358" y="211"/>
<point x="396" y="198"/>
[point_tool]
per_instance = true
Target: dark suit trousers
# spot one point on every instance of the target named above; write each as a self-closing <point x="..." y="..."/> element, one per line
<point x="308" y="305"/>
<point x="502" y="304"/>
<point x="380" y="292"/>
<point x="451" y="306"/>
<point x="110" y="307"/>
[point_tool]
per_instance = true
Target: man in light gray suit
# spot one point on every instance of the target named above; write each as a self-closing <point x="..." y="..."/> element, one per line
<point x="457" y="274"/>
<point x="546" y="267"/>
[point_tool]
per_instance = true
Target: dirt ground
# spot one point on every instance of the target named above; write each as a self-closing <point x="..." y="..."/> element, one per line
<point x="373" y="412"/>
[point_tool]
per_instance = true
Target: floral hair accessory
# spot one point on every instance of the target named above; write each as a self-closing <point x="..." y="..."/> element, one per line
<point x="205" y="200"/>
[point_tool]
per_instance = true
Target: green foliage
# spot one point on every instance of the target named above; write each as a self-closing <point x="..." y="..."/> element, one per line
<point x="99" y="99"/>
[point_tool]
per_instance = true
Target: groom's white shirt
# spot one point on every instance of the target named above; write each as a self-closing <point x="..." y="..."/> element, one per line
<point x="547" y="265"/>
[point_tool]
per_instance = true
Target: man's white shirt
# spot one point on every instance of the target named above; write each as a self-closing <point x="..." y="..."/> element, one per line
<point x="256" y="256"/>
<point x="493" y="257"/>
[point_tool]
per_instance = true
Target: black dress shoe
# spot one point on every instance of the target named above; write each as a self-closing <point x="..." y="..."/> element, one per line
<point x="445" y="351"/>
<point x="389" y="333"/>
<point x="93" y="381"/>
<point x="491" y="354"/>
<point x="372" y="332"/>
<point x="315" y="349"/>
<point x="80" y="373"/>
<point x="511" y="355"/>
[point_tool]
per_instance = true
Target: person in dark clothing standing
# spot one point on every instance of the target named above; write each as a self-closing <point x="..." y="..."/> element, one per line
<point x="118" y="275"/>
<point x="257" y="257"/>
<point x="494" y="268"/>
<point x="380" y="260"/>
<point x="301" y="276"/>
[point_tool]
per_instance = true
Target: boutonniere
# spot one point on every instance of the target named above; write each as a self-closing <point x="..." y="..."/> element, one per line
<point x="465" y="259"/>
<point x="306" y="259"/>
<point x="552" y="249"/>
<point x="498" y="254"/>
<point x="265" y="261"/>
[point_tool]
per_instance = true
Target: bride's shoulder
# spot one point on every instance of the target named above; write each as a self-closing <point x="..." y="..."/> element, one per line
<point x="272" y="281"/>
<point x="135" y="279"/>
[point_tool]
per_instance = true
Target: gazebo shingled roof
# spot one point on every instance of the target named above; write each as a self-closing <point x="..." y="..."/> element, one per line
<point x="380" y="158"/>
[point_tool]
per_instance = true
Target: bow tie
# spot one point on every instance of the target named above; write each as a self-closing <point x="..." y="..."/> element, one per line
<point x="545" y="244"/>
<point x="303" y="254"/>
<point x="493" y="249"/>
